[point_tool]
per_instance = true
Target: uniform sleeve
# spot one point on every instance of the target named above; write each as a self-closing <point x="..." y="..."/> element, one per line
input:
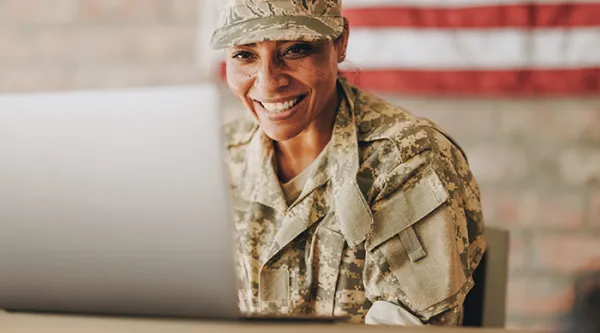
<point x="427" y="237"/>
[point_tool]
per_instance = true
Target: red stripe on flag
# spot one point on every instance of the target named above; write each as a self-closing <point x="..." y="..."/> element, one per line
<point x="500" y="83"/>
<point x="484" y="17"/>
<point x="559" y="82"/>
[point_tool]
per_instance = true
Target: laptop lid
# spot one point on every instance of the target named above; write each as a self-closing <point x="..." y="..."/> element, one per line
<point x="114" y="202"/>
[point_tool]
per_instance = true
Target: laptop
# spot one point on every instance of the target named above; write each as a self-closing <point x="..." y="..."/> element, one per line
<point x="114" y="202"/>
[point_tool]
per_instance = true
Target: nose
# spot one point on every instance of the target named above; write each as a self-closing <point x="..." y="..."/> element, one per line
<point x="270" y="77"/>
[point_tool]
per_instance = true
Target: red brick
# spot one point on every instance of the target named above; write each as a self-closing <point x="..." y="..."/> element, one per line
<point x="580" y="166"/>
<point x="549" y="121"/>
<point x="24" y="12"/>
<point x="124" y="11"/>
<point x="494" y="163"/>
<point x="538" y="296"/>
<point x="594" y="209"/>
<point x="567" y="253"/>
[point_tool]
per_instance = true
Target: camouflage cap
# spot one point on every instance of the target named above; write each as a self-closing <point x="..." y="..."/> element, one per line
<point x="252" y="21"/>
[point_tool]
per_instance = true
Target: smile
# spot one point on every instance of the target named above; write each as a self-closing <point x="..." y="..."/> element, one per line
<point x="283" y="105"/>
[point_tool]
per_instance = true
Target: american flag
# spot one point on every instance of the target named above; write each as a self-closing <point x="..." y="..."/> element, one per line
<point x="474" y="47"/>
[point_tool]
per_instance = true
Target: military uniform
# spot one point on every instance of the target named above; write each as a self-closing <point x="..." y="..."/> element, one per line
<point x="391" y="213"/>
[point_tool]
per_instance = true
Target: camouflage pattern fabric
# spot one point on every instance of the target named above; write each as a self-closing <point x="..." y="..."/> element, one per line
<point x="392" y="213"/>
<point x="252" y="21"/>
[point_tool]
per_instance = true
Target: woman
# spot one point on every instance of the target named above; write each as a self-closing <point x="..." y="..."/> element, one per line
<point x="345" y="205"/>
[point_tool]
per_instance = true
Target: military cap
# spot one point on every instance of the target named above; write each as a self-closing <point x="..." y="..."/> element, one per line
<point x="252" y="21"/>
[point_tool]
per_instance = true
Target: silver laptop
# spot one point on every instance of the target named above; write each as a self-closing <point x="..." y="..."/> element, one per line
<point x="115" y="203"/>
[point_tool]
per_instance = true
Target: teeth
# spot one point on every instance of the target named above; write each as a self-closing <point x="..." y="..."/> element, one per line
<point x="280" y="107"/>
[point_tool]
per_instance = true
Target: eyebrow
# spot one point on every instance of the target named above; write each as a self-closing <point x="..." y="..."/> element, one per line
<point x="280" y="42"/>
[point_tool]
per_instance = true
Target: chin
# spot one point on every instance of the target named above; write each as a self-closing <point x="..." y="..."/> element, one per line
<point x="280" y="134"/>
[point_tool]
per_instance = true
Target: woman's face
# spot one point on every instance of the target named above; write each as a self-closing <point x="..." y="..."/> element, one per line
<point x="286" y="85"/>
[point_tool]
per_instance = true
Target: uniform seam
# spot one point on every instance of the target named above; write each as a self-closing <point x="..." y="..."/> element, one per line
<point x="466" y="183"/>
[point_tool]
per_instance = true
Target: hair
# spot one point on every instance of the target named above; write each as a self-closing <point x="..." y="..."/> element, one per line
<point x="351" y="74"/>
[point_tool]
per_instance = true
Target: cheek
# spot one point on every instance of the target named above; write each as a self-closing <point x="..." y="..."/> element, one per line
<point x="238" y="80"/>
<point x="318" y="73"/>
<point x="324" y="81"/>
<point x="327" y="75"/>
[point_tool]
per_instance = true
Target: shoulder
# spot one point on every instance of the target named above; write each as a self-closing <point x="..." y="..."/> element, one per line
<point x="427" y="221"/>
<point x="392" y="139"/>
<point x="380" y="121"/>
<point x="239" y="131"/>
<point x="398" y="148"/>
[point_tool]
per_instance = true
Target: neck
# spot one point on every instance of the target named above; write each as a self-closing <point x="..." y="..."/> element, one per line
<point x="296" y="154"/>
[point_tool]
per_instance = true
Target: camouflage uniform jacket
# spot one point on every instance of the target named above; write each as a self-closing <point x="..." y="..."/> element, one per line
<point x="392" y="213"/>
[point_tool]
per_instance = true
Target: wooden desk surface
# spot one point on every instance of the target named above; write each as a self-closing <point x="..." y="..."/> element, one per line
<point x="41" y="323"/>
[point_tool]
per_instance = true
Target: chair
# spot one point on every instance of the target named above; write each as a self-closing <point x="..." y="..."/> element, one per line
<point x="485" y="305"/>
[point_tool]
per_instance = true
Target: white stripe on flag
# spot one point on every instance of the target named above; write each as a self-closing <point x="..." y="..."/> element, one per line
<point x="473" y="49"/>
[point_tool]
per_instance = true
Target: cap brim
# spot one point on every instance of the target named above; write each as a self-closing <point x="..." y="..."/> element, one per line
<point x="301" y="28"/>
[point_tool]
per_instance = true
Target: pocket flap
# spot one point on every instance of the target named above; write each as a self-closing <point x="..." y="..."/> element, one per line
<point x="407" y="207"/>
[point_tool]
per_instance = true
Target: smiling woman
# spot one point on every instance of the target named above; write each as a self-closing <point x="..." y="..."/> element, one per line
<point x="345" y="205"/>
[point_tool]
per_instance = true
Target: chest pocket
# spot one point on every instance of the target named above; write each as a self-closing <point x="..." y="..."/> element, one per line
<point x="414" y="244"/>
<point x="303" y="277"/>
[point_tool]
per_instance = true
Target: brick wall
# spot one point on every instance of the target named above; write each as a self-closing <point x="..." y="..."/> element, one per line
<point x="80" y="44"/>
<point x="538" y="162"/>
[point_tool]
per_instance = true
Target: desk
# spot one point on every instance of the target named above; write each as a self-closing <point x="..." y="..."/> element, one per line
<point x="42" y="323"/>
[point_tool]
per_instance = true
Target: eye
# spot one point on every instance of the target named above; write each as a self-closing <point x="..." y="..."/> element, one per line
<point x="242" y="55"/>
<point x="298" y="50"/>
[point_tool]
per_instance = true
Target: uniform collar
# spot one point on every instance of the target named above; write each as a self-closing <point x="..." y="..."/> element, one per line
<point x="350" y="206"/>
<point x="259" y="182"/>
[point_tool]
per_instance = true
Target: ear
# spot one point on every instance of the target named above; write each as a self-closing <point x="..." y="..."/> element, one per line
<point x="341" y="43"/>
